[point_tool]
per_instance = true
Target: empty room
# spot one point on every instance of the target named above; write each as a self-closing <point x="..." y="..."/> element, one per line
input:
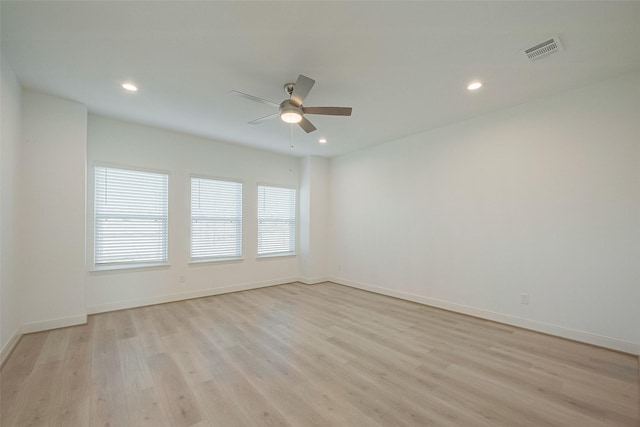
<point x="320" y="213"/>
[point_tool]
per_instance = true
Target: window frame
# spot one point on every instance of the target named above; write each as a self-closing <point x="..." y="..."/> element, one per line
<point x="126" y="265"/>
<point x="239" y="232"/>
<point x="292" y="226"/>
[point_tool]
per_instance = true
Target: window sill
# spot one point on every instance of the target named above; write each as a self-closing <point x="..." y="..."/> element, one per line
<point x="276" y="256"/>
<point x="218" y="261"/>
<point x="127" y="268"/>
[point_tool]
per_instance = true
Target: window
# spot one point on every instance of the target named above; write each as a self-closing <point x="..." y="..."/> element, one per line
<point x="216" y="219"/>
<point x="276" y="221"/>
<point x="131" y="217"/>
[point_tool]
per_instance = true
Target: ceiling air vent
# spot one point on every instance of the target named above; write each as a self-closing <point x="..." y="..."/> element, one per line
<point x="544" y="49"/>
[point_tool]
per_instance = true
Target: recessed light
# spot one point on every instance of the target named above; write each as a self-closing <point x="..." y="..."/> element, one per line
<point x="130" y="87"/>
<point x="474" y="86"/>
<point x="322" y="140"/>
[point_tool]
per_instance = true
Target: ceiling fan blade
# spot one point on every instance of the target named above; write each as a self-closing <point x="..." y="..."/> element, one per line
<point x="255" y="98"/>
<point x="301" y="89"/>
<point x="328" y="111"/>
<point x="306" y="125"/>
<point x="263" y="119"/>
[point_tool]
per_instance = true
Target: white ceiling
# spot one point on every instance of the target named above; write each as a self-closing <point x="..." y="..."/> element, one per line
<point x="402" y="66"/>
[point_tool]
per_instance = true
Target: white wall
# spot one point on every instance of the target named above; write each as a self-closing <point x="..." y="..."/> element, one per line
<point x="52" y="211"/>
<point x="10" y="123"/>
<point x="314" y="211"/>
<point x="125" y="144"/>
<point x="541" y="199"/>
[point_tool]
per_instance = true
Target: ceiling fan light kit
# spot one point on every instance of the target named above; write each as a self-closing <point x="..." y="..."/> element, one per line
<point x="291" y="117"/>
<point x="291" y="110"/>
<point x="289" y="113"/>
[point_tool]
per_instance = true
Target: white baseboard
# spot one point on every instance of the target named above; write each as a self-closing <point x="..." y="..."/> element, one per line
<point x="312" y="281"/>
<point x="572" y="334"/>
<point x="79" y="319"/>
<point x="9" y="346"/>
<point x="161" y="299"/>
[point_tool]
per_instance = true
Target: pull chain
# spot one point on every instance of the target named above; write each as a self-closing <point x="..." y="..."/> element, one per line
<point x="291" y="147"/>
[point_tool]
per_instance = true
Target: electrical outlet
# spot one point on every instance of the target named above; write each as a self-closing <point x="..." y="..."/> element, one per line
<point x="524" y="298"/>
<point x="182" y="279"/>
<point x="339" y="267"/>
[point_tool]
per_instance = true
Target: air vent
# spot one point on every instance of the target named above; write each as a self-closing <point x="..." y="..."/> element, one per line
<point x="544" y="49"/>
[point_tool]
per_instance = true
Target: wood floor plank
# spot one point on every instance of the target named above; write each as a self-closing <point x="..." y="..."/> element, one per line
<point x="73" y="401"/>
<point x="125" y="327"/>
<point x="193" y="365"/>
<point x="41" y="390"/>
<point x="55" y="347"/>
<point x="276" y="380"/>
<point x="147" y="334"/>
<point x="315" y="389"/>
<point x="108" y="405"/>
<point x="145" y="408"/>
<point x="136" y="374"/>
<point x="16" y="372"/>
<point x="221" y="409"/>
<point x="252" y="406"/>
<point x="176" y="396"/>
<point x="322" y="355"/>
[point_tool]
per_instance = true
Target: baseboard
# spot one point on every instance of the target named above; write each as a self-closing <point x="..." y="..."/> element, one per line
<point x="9" y="346"/>
<point x="46" y="325"/>
<point x="312" y="281"/>
<point x="121" y="305"/>
<point x="546" y="328"/>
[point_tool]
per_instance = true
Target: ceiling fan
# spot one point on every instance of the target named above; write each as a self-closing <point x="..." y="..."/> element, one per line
<point x="291" y="110"/>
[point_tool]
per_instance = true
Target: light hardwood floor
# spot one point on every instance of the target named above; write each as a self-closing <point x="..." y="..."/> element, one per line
<point x="323" y="355"/>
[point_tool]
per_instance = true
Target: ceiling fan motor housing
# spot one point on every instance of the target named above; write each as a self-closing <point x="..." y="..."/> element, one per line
<point x="288" y="88"/>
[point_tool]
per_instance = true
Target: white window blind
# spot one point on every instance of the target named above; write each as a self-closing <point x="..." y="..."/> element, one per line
<point x="216" y="219"/>
<point x="131" y="217"/>
<point x="276" y="221"/>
